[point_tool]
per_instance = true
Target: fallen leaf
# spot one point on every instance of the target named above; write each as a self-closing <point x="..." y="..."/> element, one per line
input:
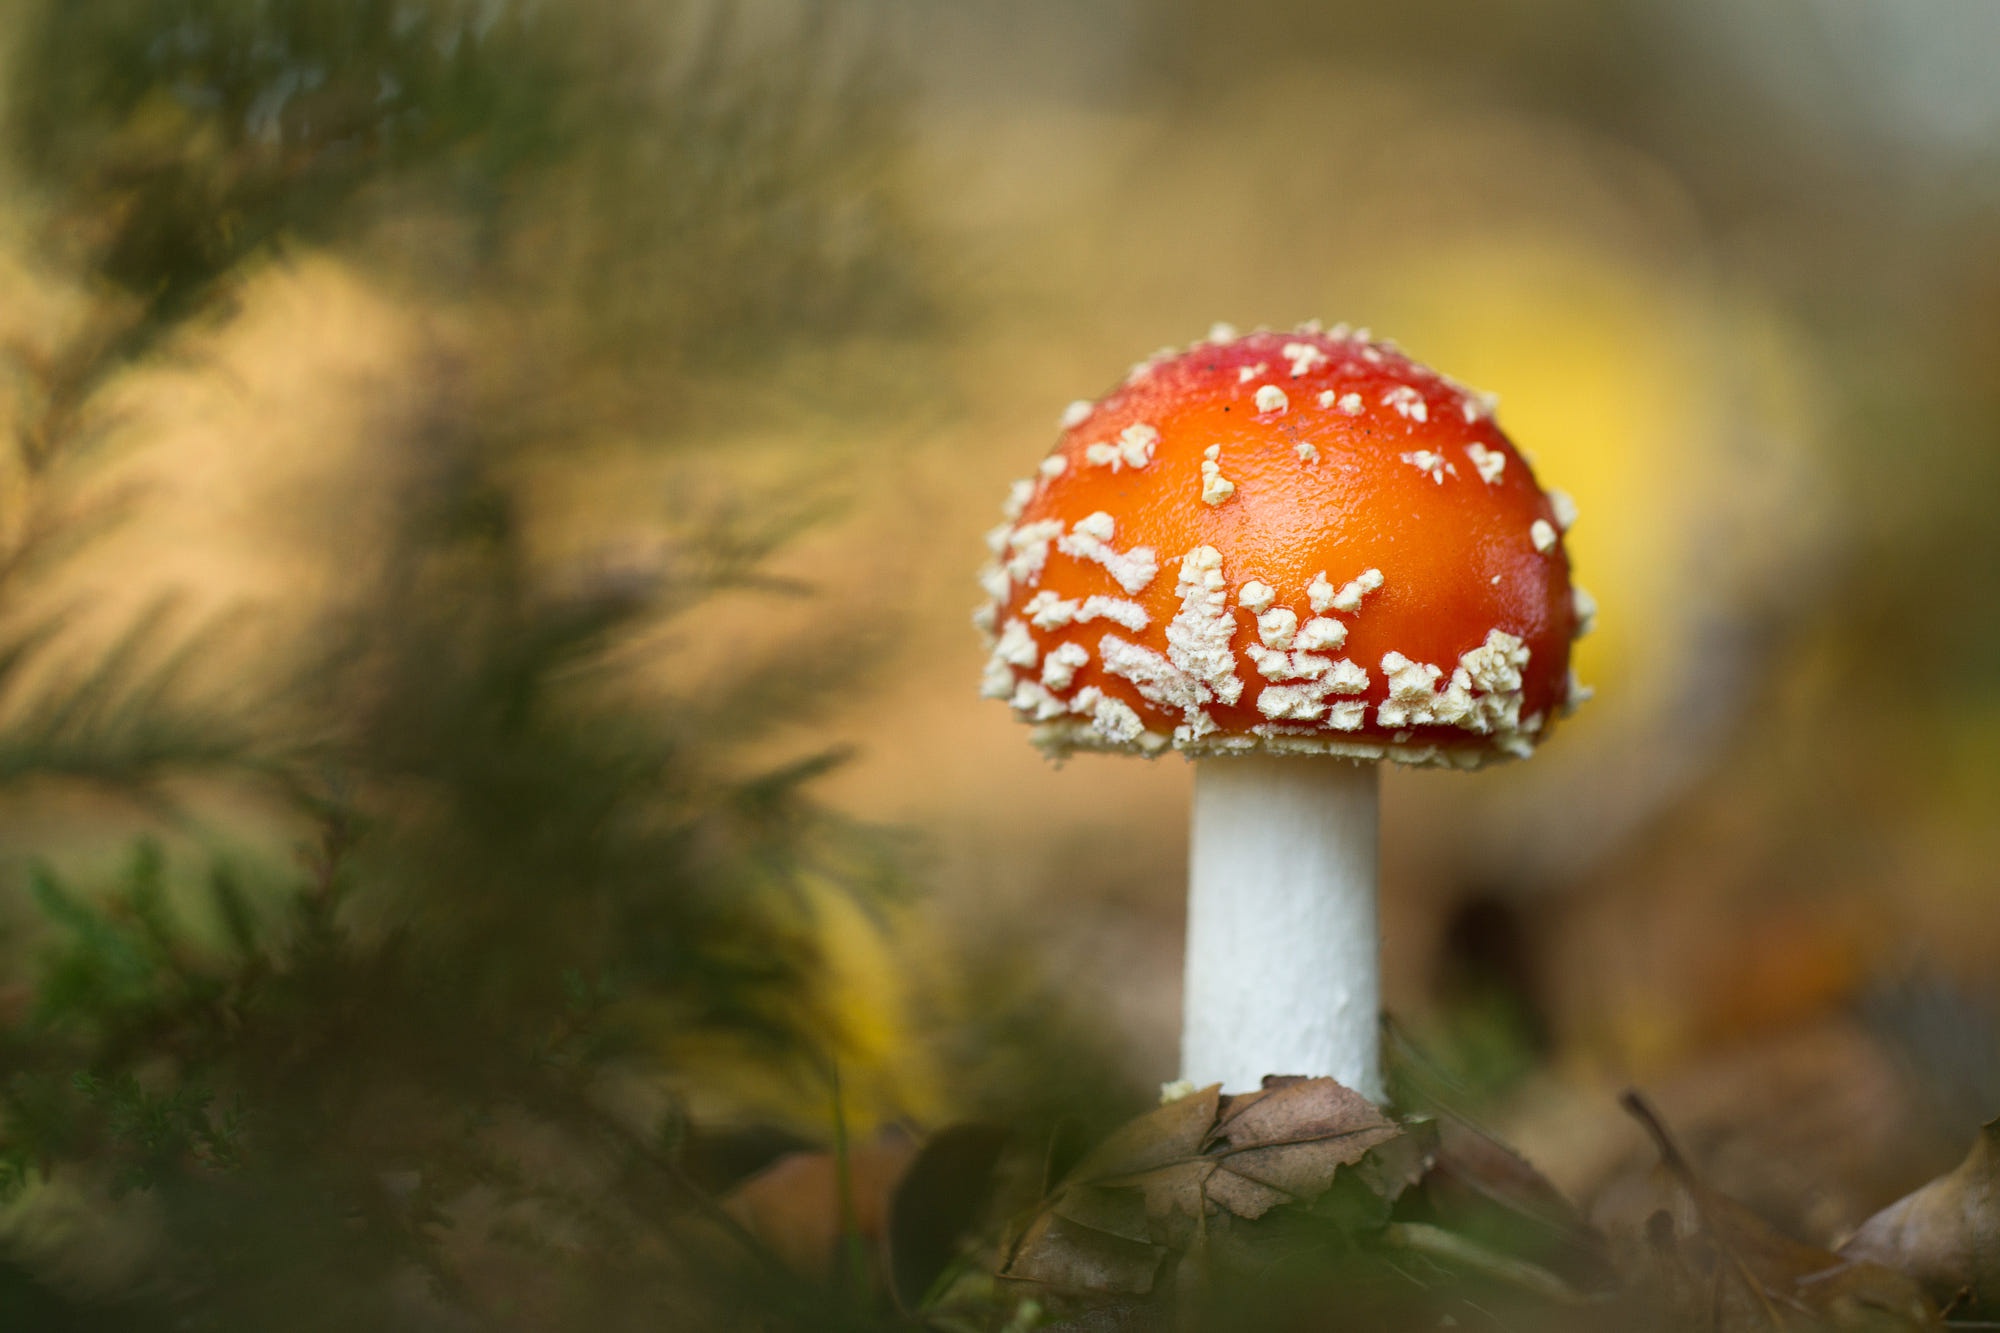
<point x="1072" y="1256"/>
<point x="1159" y="1183"/>
<point x="793" y="1205"/>
<point x="1733" y="1271"/>
<point x="1164" y="1134"/>
<point x="937" y="1203"/>
<point x="1480" y="1188"/>
<point x="1947" y="1234"/>
<point x="1293" y="1136"/>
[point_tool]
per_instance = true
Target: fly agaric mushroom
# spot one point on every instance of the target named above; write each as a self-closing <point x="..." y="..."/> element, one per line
<point x="1287" y="556"/>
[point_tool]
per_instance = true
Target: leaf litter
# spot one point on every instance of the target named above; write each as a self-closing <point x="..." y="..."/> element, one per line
<point x="1171" y="1181"/>
<point x="1460" y="1231"/>
<point x="1304" y="1202"/>
<point x="1719" y="1265"/>
<point x="1946" y="1235"/>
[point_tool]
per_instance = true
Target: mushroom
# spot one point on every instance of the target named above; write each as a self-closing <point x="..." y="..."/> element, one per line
<point x="1288" y="556"/>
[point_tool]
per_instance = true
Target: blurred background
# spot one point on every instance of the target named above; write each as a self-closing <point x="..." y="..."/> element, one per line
<point x="490" y="753"/>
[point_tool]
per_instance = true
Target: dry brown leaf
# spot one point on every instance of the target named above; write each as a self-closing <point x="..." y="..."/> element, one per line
<point x="937" y="1204"/>
<point x="1164" y="1134"/>
<point x="1734" y="1271"/>
<point x="1293" y="1135"/>
<point x="1157" y="1184"/>
<point x="1479" y="1187"/>
<point x="1947" y="1234"/>
<point x="1392" y="1169"/>
<point x="1072" y="1256"/>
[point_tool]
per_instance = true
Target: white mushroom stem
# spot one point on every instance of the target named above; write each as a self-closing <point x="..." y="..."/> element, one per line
<point x="1282" y="943"/>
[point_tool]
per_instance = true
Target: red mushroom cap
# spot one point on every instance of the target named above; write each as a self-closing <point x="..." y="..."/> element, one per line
<point x="1294" y="542"/>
